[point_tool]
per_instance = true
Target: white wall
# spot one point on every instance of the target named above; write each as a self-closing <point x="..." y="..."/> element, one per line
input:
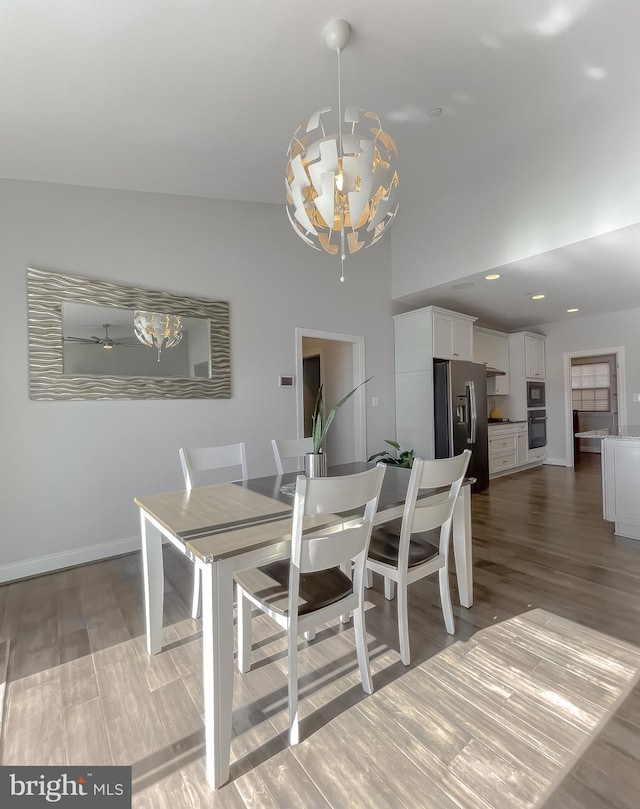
<point x="71" y="469"/>
<point x="602" y="331"/>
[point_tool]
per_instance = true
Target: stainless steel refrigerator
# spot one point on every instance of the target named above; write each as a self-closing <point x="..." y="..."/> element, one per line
<point x="460" y="415"/>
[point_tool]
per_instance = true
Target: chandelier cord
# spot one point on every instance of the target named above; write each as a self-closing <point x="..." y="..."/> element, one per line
<point x="340" y="155"/>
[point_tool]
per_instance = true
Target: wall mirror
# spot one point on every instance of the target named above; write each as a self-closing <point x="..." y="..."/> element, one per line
<point x="82" y="343"/>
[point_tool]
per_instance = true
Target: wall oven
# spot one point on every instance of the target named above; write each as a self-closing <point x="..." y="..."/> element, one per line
<point x="537" y="422"/>
<point x="535" y="394"/>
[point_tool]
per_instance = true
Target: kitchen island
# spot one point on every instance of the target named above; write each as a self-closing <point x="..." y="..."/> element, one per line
<point x="621" y="479"/>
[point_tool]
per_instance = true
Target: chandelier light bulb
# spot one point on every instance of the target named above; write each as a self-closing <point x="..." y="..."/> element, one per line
<point x="341" y="188"/>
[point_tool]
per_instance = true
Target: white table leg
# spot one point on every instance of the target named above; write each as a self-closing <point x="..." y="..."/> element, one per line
<point x="153" y="583"/>
<point x="217" y="666"/>
<point x="463" y="546"/>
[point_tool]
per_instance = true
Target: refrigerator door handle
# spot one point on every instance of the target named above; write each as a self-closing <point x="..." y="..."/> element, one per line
<point x="471" y="388"/>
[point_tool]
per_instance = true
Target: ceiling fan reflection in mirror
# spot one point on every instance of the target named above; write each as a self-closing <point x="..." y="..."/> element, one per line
<point x="106" y="341"/>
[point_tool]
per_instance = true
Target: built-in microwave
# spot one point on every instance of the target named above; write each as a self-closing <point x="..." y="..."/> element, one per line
<point x="535" y="394"/>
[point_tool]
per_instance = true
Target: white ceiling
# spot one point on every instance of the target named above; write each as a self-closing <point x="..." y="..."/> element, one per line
<point x="595" y="276"/>
<point x="202" y="97"/>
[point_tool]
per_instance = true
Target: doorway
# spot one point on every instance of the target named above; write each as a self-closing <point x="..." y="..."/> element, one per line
<point x="340" y="367"/>
<point x="595" y="397"/>
<point x="312" y="379"/>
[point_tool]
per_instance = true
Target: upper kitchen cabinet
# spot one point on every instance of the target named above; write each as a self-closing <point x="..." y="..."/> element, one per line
<point x="452" y="335"/>
<point x="431" y="332"/>
<point x="526" y="361"/>
<point x="491" y="348"/>
<point x="534" y="357"/>
<point x="527" y="355"/>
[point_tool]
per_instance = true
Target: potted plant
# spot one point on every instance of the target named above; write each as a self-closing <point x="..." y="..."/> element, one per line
<point x="400" y="464"/>
<point x="404" y="458"/>
<point x="315" y="463"/>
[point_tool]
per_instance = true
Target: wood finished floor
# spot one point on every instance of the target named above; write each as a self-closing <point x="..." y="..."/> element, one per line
<point x="81" y="689"/>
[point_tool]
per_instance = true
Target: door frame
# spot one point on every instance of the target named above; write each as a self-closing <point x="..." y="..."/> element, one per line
<point x="618" y="351"/>
<point x="359" y="400"/>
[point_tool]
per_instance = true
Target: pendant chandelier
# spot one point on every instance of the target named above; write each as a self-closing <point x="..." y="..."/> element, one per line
<point x="157" y="330"/>
<point x="341" y="188"/>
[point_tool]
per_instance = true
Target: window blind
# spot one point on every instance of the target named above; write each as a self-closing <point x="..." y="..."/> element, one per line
<point x="590" y="386"/>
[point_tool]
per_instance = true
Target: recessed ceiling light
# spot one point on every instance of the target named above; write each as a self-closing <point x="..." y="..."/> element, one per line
<point x="463" y="285"/>
<point x="537" y="297"/>
<point x="492" y="277"/>
<point x="595" y="72"/>
<point x="435" y="112"/>
<point x="573" y="310"/>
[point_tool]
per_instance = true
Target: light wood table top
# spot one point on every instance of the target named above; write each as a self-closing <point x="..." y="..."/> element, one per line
<point x="213" y="520"/>
<point x="229" y="519"/>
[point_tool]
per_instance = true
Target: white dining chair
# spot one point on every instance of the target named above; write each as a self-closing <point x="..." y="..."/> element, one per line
<point x="420" y="547"/>
<point x="310" y="588"/>
<point x="200" y="460"/>
<point x="290" y="449"/>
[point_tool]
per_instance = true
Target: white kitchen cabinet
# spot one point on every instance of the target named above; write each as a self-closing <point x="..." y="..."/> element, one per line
<point x="620" y="472"/>
<point x="420" y="336"/>
<point x="502" y="447"/>
<point x="522" y="439"/>
<point x="452" y="335"/>
<point x="537" y="455"/>
<point x="526" y="357"/>
<point x="534" y="357"/>
<point x="431" y="332"/>
<point x="492" y="349"/>
<point x="414" y="412"/>
<point x="509" y="448"/>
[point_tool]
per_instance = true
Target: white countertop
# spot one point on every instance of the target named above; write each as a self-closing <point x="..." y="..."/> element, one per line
<point x="630" y="432"/>
<point x="593" y="433"/>
<point x="625" y="432"/>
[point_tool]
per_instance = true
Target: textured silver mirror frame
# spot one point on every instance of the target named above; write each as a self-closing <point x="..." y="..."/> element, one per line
<point x="47" y="290"/>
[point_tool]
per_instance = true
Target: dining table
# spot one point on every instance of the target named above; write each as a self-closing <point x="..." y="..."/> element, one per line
<point x="227" y="527"/>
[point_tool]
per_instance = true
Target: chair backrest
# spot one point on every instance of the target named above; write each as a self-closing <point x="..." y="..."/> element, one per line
<point x="436" y="511"/>
<point x="356" y="496"/>
<point x="289" y="448"/>
<point x="209" y="458"/>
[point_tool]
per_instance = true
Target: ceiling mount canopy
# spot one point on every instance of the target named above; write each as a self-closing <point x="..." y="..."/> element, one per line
<point x="341" y="188"/>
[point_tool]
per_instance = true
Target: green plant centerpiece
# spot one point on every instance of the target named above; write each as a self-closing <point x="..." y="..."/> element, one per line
<point x="316" y="465"/>
<point x="403" y="458"/>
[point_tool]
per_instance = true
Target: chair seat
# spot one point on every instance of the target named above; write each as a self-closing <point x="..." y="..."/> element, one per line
<point x="385" y="542"/>
<point x="270" y="584"/>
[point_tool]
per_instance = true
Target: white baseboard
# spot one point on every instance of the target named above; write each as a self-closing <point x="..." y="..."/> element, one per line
<point x="556" y="461"/>
<point x="58" y="561"/>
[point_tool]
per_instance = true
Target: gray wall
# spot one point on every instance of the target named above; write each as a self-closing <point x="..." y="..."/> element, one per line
<point x="602" y="331"/>
<point x="71" y="469"/>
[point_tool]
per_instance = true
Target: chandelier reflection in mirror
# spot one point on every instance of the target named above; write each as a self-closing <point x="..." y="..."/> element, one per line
<point x="157" y="330"/>
<point x="341" y="189"/>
